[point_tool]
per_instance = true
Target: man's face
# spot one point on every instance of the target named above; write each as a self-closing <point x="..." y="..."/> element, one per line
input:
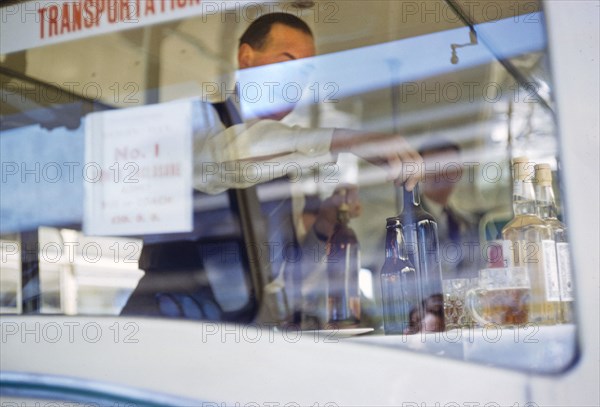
<point x="283" y="44"/>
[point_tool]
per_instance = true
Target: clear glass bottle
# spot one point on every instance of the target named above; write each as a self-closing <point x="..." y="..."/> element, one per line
<point x="546" y="209"/>
<point x="420" y="231"/>
<point x="343" y="266"/>
<point x="399" y="287"/>
<point x="523" y="237"/>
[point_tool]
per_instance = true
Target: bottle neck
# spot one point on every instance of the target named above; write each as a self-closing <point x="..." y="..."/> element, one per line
<point x="412" y="199"/>
<point x="343" y="217"/>
<point x="343" y="214"/>
<point x="395" y="247"/>
<point x="523" y="198"/>
<point x="545" y="205"/>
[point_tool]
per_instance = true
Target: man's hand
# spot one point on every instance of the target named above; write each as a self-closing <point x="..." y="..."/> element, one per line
<point x="390" y="152"/>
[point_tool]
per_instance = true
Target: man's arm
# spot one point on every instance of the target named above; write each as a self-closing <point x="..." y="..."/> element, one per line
<point x="390" y="152"/>
<point x="248" y="154"/>
<point x="245" y="155"/>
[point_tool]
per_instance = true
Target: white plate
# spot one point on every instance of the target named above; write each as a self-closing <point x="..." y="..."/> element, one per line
<point x="324" y="334"/>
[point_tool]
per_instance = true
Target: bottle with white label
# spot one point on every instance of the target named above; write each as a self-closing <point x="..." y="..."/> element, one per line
<point x="546" y="209"/>
<point x="526" y="236"/>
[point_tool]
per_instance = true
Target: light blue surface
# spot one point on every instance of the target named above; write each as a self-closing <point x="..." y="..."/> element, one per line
<point x="42" y="177"/>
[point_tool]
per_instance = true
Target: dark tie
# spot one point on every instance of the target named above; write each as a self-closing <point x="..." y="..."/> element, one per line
<point x="453" y="226"/>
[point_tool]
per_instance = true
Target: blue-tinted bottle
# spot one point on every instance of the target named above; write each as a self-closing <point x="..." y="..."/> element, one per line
<point x="343" y="266"/>
<point x="399" y="289"/>
<point x="420" y="231"/>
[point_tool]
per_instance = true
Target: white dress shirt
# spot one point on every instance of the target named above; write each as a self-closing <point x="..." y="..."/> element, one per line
<point x="251" y="153"/>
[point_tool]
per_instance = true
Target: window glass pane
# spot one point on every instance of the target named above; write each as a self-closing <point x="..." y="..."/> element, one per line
<point x="164" y="169"/>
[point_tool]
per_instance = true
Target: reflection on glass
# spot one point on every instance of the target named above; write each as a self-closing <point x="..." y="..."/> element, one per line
<point x="494" y="100"/>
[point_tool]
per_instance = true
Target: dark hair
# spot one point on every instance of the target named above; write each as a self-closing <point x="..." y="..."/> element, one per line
<point x="256" y="34"/>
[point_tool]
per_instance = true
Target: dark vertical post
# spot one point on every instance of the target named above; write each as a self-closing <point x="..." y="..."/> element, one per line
<point x="30" y="272"/>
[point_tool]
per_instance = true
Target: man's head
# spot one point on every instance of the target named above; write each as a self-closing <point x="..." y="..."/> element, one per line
<point x="275" y="37"/>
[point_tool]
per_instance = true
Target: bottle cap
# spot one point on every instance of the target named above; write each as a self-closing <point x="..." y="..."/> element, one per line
<point x="543" y="174"/>
<point x="522" y="168"/>
<point x="521" y="159"/>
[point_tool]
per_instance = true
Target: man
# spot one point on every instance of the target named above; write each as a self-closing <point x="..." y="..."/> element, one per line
<point x="276" y="38"/>
<point x="224" y="145"/>
<point x="263" y="141"/>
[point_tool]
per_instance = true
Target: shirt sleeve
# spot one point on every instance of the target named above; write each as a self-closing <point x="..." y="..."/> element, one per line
<point x="248" y="154"/>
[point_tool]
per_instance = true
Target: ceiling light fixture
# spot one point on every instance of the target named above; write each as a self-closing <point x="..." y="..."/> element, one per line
<point x="473" y="41"/>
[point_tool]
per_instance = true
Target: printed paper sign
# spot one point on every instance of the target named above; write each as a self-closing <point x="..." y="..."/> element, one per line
<point x="138" y="171"/>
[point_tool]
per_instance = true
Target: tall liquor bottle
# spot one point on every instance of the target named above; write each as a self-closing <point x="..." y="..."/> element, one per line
<point x="546" y="209"/>
<point x="420" y="231"/>
<point x="343" y="266"/>
<point x="523" y="237"/>
<point x="398" y="283"/>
